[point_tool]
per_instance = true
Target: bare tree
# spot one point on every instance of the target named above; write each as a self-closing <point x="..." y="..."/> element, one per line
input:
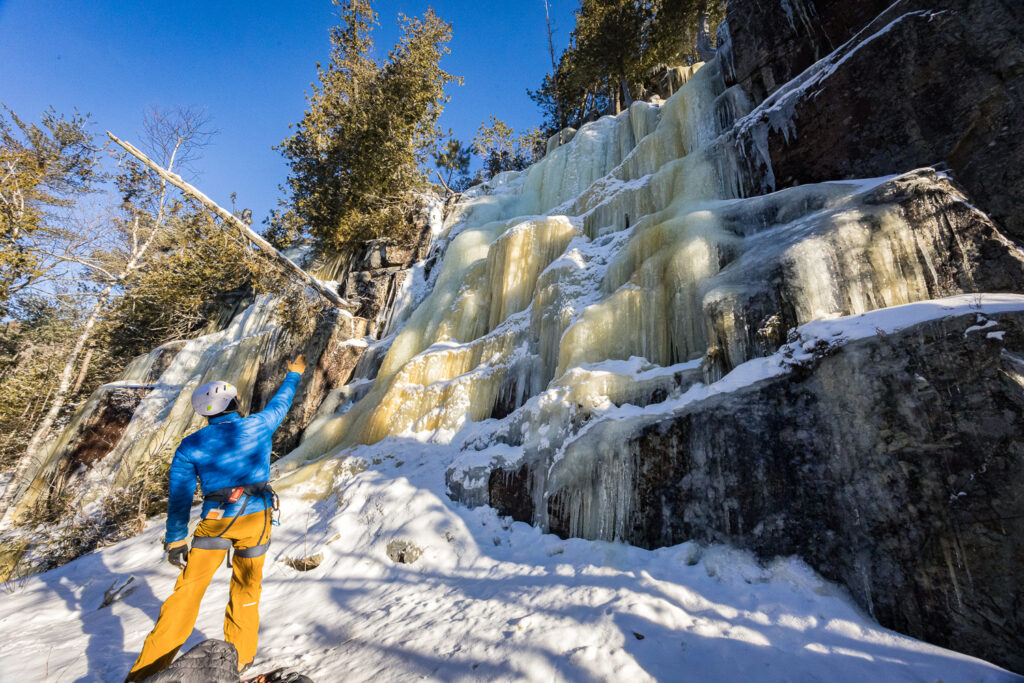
<point x="177" y="137"/>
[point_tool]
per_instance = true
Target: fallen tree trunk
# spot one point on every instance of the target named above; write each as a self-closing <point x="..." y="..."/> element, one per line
<point x="226" y="216"/>
<point x="447" y="189"/>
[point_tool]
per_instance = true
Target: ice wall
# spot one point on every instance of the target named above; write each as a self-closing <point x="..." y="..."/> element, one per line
<point x="569" y="311"/>
<point x="628" y="243"/>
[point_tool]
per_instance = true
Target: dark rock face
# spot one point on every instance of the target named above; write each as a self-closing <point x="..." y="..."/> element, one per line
<point x="370" y="277"/>
<point x="375" y="277"/>
<point x="925" y="82"/>
<point x="331" y="358"/>
<point x="101" y="432"/>
<point x="162" y="361"/>
<point x="894" y="466"/>
<point x="98" y="432"/>
<point x="873" y="505"/>
<point x="372" y="280"/>
<point x="771" y="43"/>
<point x="505" y="490"/>
<point x="375" y="291"/>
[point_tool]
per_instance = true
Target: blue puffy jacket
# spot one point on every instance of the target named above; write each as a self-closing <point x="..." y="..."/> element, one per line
<point x="231" y="451"/>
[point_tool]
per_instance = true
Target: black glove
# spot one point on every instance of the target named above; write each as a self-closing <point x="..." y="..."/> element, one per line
<point x="178" y="555"/>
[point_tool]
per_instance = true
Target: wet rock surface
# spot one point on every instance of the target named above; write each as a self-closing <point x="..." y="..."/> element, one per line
<point x="331" y="350"/>
<point x="372" y="278"/>
<point x="98" y="435"/>
<point x="925" y="82"/>
<point x="110" y="410"/>
<point x="162" y="360"/>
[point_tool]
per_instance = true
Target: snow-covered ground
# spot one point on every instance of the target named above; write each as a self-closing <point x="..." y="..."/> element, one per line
<point x="488" y="600"/>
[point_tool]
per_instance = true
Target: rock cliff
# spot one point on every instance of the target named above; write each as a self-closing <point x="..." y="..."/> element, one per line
<point x="890" y="463"/>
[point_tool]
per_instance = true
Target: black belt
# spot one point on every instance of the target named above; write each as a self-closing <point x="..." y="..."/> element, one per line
<point x="224" y="495"/>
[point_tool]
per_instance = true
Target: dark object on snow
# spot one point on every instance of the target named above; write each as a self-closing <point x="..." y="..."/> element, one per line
<point x="118" y="591"/>
<point x="280" y="676"/>
<point x="304" y="564"/>
<point x="403" y="552"/>
<point x="216" y="661"/>
<point x="211" y="661"/>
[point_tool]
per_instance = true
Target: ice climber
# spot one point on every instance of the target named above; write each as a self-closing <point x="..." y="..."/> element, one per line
<point x="231" y="458"/>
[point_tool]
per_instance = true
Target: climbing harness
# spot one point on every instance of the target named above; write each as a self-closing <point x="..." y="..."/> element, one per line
<point x="230" y="496"/>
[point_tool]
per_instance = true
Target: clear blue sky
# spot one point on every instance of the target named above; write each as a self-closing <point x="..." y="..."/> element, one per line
<point x="249" y="64"/>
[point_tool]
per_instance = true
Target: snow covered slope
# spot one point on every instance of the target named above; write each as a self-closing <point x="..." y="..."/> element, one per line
<point x="487" y="600"/>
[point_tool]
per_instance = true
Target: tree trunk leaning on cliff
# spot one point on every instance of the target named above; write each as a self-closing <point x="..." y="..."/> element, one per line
<point x="19" y="480"/>
<point x="290" y="266"/>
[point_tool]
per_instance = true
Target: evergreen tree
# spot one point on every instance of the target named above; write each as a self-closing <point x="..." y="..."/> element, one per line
<point x="369" y="128"/>
<point x="179" y="291"/>
<point x="613" y="48"/>
<point x="32" y="350"/>
<point x="149" y="208"/>
<point x="43" y="168"/>
<point x="454" y="159"/>
<point x="502" y="150"/>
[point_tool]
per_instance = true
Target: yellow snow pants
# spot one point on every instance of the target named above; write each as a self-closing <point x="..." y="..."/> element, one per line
<point x="249" y="535"/>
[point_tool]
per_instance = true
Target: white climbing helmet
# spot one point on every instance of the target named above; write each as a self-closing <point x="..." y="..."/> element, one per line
<point x="213" y="397"/>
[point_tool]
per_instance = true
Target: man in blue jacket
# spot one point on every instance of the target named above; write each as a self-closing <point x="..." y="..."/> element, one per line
<point x="231" y="459"/>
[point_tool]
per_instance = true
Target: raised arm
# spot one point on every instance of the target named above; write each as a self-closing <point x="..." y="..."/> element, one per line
<point x="278" y="406"/>
<point x="179" y="497"/>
